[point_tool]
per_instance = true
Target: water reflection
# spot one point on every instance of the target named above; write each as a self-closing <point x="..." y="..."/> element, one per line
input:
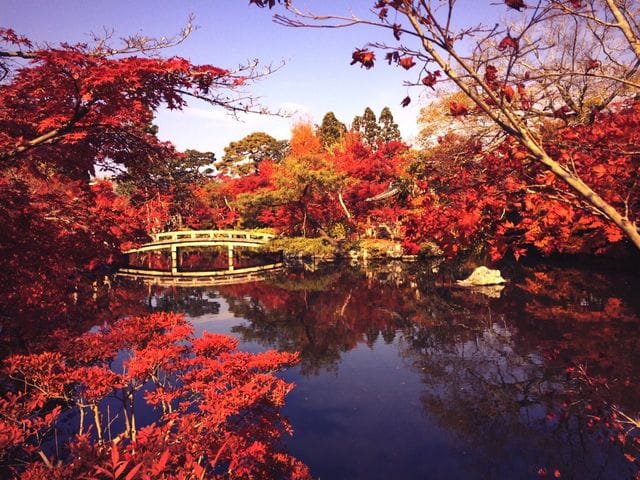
<point x="455" y="383"/>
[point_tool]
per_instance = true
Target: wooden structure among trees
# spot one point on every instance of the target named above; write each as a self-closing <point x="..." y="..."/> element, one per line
<point x="202" y="238"/>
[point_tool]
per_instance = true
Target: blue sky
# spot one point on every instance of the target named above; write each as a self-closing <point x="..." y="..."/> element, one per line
<point x="316" y="77"/>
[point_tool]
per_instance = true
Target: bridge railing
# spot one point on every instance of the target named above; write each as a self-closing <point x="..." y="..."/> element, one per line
<point x="210" y="235"/>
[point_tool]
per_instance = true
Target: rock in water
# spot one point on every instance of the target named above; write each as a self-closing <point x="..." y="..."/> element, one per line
<point x="482" y="276"/>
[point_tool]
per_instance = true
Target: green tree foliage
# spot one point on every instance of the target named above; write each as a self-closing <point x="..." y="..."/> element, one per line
<point x="298" y="196"/>
<point x="172" y="172"/>
<point x="374" y="131"/>
<point x="331" y="131"/>
<point x="370" y="127"/>
<point x="302" y="199"/>
<point x="244" y="156"/>
<point x="356" y="124"/>
<point x="389" y="130"/>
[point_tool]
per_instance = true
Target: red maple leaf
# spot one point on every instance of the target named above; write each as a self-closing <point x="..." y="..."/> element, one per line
<point x="593" y="64"/>
<point x="406" y="62"/>
<point x="263" y="3"/>
<point x="397" y="30"/>
<point x="508" y="92"/>
<point x="508" y="42"/>
<point x="515" y="4"/>
<point x="491" y="74"/>
<point x="364" y="57"/>
<point x="458" y="109"/>
<point x="430" y="79"/>
<point x="391" y="57"/>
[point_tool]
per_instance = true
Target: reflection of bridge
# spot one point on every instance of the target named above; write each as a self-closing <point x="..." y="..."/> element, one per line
<point x="207" y="279"/>
<point x="201" y="238"/>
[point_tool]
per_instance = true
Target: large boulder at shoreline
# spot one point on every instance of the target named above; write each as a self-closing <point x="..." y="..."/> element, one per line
<point x="482" y="276"/>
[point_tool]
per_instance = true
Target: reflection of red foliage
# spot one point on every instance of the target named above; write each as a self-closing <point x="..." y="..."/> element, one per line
<point x="153" y="260"/>
<point x="209" y="259"/>
<point x="320" y="321"/>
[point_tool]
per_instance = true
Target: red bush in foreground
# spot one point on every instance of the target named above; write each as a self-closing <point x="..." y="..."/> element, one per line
<point x="217" y="408"/>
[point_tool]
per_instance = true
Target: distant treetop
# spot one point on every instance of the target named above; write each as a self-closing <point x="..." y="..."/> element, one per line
<point x="373" y="130"/>
<point x="331" y="131"/>
<point x="244" y="156"/>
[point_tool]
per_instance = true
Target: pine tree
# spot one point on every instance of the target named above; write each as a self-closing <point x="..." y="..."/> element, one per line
<point x="356" y="124"/>
<point x="389" y="130"/>
<point x="331" y="131"/>
<point x="244" y="156"/>
<point x="370" y="128"/>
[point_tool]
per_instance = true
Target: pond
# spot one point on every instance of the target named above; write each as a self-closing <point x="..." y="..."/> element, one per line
<point x="403" y="375"/>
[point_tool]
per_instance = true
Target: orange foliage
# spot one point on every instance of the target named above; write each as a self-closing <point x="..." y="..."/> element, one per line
<point x="304" y="140"/>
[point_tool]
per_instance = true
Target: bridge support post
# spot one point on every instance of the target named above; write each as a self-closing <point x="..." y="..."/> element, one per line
<point x="230" y="254"/>
<point x="174" y="259"/>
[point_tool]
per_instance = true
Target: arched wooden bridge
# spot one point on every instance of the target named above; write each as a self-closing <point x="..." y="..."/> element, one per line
<point x="201" y="238"/>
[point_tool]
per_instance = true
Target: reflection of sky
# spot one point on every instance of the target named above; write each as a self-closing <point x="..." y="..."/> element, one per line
<point x="223" y="323"/>
<point x="366" y="420"/>
<point x="317" y="76"/>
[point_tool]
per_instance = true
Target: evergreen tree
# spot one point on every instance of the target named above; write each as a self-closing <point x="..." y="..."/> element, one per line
<point x="172" y="173"/>
<point x="389" y="130"/>
<point x="244" y="156"/>
<point x="370" y="128"/>
<point x="356" y="125"/>
<point x="331" y="131"/>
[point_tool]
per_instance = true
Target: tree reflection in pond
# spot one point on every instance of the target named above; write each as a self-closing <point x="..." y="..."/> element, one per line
<point x="490" y="373"/>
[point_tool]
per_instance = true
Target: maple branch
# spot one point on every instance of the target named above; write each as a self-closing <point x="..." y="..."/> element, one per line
<point x="567" y="197"/>
<point x="621" y="22"/>
<point x="234" y="108"/>
<point x="622" y="80"/>
<point x="130" y="45"/>
<point x="628" y="197"/>
<point x="48" y="137"/>
<point x="581" y="13"/>
<point x="344" y="207"/>
<point x="139" y="43"/>
<point x="343" y="22"/>
<point x="18" y="54"/>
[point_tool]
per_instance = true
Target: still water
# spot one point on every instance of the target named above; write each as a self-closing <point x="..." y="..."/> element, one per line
<point x="403" y="375"/>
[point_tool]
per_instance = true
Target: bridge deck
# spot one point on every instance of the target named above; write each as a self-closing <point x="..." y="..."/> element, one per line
<point x="200" y="238"/>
